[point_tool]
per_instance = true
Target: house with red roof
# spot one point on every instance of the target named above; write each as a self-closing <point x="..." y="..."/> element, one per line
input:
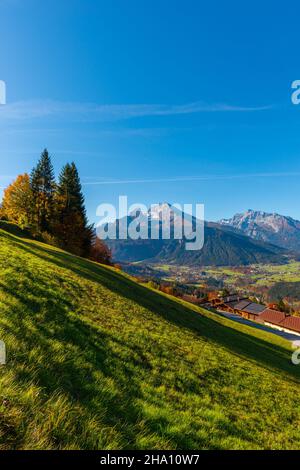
<point x="257" y="312"/>
<point x="281" y="321"/>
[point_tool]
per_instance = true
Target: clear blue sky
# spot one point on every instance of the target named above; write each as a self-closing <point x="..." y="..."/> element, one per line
<point x="179" y="101"/>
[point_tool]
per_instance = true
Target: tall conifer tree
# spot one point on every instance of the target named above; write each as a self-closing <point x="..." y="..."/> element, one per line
<point x="42" y="184"/>
<point x="73" y="228"/>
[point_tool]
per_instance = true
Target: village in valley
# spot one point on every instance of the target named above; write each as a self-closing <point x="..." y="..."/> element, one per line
<point x="264" y="294"/>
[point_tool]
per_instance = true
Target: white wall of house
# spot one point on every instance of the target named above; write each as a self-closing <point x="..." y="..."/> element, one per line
<point x="276" y="327"/>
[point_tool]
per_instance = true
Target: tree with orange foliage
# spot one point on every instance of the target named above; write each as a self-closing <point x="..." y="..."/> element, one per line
<point x="100" y="252"/>
<point x="17" y="201"/>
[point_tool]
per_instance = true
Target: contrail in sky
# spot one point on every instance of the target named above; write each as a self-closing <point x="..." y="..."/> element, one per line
<point x="192" y="178"/>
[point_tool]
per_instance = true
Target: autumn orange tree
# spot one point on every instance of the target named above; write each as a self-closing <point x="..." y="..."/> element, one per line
<point x="17" y="201"/>
<point x="100" y="252"/>
<point x="54" y="212"/>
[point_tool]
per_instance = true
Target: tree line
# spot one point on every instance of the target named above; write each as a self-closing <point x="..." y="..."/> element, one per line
<point x="53" y="211"/>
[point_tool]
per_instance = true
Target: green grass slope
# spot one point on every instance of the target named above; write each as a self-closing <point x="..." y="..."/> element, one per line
<point x="96" y="361"/>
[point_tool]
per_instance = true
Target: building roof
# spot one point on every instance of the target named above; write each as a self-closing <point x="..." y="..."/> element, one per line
<point x="242" y="304"/>
<point x="272" y="316"/>
<point x="231" y="304"/>
<point x="256" y="309"/>
<point x="232" y="298"/>
<point x="291" y="323"/>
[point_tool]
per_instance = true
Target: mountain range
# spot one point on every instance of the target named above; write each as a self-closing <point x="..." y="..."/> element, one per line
<point x="273" y="228"/>
<point x="224" y="245"/>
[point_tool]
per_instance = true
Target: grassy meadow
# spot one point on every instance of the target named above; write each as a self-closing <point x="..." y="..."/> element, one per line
<point x="97" y="361"/>
<point x="261" y="274"/>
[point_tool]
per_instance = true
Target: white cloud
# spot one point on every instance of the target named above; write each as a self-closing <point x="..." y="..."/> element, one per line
<point x="28" y="110"/>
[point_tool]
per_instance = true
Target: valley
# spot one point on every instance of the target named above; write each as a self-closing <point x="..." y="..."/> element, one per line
<point x="256" y="280"/>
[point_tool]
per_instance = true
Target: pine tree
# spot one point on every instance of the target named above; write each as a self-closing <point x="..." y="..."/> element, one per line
<point x="72" y="228"/>
<point x="42" y="184"/>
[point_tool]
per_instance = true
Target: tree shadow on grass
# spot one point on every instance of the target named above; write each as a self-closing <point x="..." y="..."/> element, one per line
<point x="71" y="370"/>
<point x="271" y="356"/>
<point x="116" y="398"/>
<point x="88" y="349"/>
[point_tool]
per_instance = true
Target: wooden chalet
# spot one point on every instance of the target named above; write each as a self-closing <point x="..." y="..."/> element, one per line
<point x="227" y="303"/>
<point x="252" y="311"/>
<point x="240" y="305"/>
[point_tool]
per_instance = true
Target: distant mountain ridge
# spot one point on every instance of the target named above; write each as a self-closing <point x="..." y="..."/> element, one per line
<point x="273" y="228"/>
<point x="222" y="247"/>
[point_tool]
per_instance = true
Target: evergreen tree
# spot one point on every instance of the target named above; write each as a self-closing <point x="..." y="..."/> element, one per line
<point x="42" y="184"/>
<point x="72" y="228"/>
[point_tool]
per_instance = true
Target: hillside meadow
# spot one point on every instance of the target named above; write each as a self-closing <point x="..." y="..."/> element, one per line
<point x="97" y="361"/>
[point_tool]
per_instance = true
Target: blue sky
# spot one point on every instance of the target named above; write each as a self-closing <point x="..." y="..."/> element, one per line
<point x="178" y="101"/>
